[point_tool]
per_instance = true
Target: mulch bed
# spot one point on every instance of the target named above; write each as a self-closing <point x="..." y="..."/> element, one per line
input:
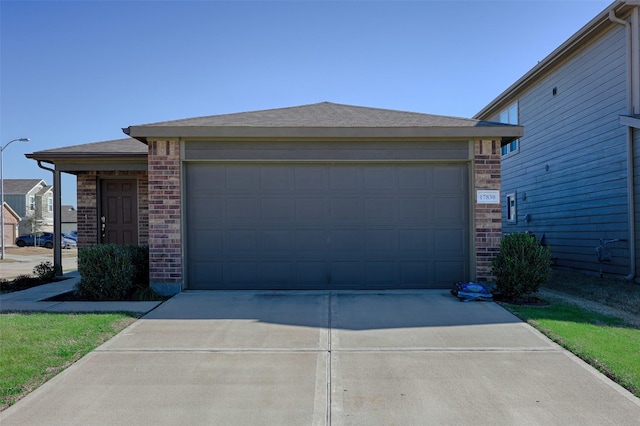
<point x="521" y="301"/>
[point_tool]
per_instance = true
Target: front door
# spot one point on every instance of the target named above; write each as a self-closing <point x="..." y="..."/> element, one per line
<point x="118" y="211"/>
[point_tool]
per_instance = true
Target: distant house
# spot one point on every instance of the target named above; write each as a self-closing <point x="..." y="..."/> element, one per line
<point x="573" y="178"/>
<point x="32" y="200"/>
<point x="69" y="219"/>
<point x="320" y="196"/>
<point x="11" y="220"/>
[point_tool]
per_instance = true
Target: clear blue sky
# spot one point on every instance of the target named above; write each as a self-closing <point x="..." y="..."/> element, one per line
<point x="74" y="72"/>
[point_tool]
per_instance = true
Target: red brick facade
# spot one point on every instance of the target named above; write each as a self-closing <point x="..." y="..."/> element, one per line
<point x="488" y="217"/>
<point x="165" y="237"/>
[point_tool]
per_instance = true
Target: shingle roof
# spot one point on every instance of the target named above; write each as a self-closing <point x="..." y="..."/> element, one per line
<point x="20" y="186"/>
<point x="324" y="119"/>
<point x="126" y="146"/>
<point x="323" y="114"/>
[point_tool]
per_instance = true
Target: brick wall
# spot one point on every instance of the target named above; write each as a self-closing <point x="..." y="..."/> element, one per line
<point x="488" y="217"/>
<point x="165" y="237"/>
<point x="87" y="193"/>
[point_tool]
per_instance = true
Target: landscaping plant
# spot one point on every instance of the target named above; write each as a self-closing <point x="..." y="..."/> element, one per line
<point x="45" y="272"/>
<point x="521" y="266"/>
<point x="107" y="272"/>
<point x="113" y="272"/>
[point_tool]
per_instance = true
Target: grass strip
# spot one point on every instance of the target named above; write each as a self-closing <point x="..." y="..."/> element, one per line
<point x="605" y="342"/>
<point x="36" y="346"/>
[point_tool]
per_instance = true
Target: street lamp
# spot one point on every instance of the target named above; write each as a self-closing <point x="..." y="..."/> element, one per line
<point x="2" y="190"/>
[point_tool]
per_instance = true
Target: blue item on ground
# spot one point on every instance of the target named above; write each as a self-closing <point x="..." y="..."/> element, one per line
<point x="469" y="292"/>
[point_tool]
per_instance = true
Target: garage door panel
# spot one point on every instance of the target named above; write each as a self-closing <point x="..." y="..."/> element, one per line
<point x="242" y="209"/>
<point x="382" y="272"/>
<point x="415" y="274"/>
<point x="346" y="209"/>
<point x="206" y="209"/>
<point x="447" y="272"/>
<point x="415" y="208"/>
<point x="207" y="244"/>
<point x="345" y="178"/>
<point x="347" y="240"/>
<point x="312" y="274"/>
<point x="311" y="177"/>
<point x="380" y="178"/>
<point x="450" y="209"/>
<point x="311" y="209"/>
<point x="415" y="178"/>
<point x="381" y="242"/>
<point x="237" y="177"/>
<point x="447" y="178"/>
<point x="277" y="274"/>
<point x="415" y="240"/>
<point x="348" y="273"/>
<point x="276" y="209"/>
<point x="326" y="225"/>
<point x="377" y="208"/>
<point x="241" y="274"/>
<point x="204" y="275"/>
<point x="452" y="240"/>
<point x="311" y="240"/>
<point x="243" y="241"/>
<point x="276" y="240"/>
<point x="276" y="178"/>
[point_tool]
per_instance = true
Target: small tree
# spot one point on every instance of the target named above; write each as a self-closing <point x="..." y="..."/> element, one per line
<point x="521" y="266"/>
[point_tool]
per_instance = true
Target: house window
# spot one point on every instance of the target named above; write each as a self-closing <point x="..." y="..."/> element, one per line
<point x="50" y="204"/>
<point x="510" y="116"/>
<point x="511" y="208"/>
<point x="32" y="202"/>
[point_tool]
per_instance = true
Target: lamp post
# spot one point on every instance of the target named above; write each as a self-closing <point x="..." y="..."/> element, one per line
<point x="2" y="189"/>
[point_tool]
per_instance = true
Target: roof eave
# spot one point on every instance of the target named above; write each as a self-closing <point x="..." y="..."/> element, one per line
<point x="145" y="133"/>
<point x="563" y="51"/>
<point x="50" y="157"/>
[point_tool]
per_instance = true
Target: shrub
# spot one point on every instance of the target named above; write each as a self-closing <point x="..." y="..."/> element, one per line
<point x="141" y="261"/>
<point x="45" y="272"/>
<point x="112" y="272"/>
<point x="521" y="266"/>
<point x="5" y="285"/>
<point x="22" y="282"/>
<point x="107" y="272"/>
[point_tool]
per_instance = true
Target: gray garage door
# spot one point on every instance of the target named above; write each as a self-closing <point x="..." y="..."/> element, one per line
<point x="326" y="226"/>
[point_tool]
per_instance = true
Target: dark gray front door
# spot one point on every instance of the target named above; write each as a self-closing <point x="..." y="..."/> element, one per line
<point x="326" y="226"/>
<point x="118" y="219"/>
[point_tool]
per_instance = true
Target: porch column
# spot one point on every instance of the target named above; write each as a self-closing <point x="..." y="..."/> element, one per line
<point x="165" y="216"/>
<point x="488" y="216"/>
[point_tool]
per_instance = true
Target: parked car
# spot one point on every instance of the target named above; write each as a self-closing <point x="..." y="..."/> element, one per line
<point x="70" y="236"/>
<point x="43" y="239"/>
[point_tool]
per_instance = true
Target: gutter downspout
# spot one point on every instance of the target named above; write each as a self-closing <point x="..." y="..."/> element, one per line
<point x="57" y="219"/>
<point x="629" y="133"/>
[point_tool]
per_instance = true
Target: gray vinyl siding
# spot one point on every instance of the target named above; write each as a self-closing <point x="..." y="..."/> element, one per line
<point x="636" y="166"/>
<point x="571" y="163"/>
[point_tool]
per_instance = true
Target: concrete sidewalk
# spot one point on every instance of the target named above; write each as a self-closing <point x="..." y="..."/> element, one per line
<point x="34" y="300"/>
<point x="320" y="358"/>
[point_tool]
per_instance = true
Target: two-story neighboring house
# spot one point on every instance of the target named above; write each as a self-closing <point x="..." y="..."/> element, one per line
<point x="32" y="200"/>
<point x="573" y="178"/>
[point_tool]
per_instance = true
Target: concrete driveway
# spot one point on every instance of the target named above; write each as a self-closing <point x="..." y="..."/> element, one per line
<point x="318" y="358"/>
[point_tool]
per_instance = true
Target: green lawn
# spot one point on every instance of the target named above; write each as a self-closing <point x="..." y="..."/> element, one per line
<point x="606" y="343"/>
<point x="35" y="347"/>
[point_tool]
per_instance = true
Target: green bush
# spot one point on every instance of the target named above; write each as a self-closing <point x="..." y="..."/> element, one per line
<point x="141" y="261"/>
<point x="521" y="266"/>
<point x="45" y="272"/>
<point x="110" y="272"/>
